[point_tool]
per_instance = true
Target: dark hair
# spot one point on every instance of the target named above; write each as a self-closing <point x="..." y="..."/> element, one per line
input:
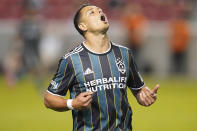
<point x="77" y="18"/>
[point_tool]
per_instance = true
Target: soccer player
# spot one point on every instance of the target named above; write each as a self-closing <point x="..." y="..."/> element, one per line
<point x="97" y="74"/>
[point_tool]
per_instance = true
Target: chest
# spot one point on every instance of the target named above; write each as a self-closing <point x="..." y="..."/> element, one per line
<point x="100" y="73"/>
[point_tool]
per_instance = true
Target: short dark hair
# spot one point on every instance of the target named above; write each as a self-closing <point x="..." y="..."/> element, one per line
<point x="77" y="18"/>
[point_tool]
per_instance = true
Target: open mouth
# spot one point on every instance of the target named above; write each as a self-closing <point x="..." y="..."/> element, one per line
<point x="102" y="18"/>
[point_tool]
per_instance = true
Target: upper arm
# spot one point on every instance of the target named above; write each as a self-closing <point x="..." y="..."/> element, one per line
<point x="62" y="80"/>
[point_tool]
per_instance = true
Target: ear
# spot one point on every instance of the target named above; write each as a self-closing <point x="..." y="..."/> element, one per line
<point x="82" y="26"/>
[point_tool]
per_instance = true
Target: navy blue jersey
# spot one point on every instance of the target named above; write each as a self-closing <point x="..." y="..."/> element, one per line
<point x="107" y="75"/>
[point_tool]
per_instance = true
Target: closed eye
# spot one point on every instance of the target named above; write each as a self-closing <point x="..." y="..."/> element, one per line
<point x="92" y="12"/>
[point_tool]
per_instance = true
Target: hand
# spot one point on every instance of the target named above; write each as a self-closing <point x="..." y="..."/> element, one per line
<point x="146" y="96"/>
<point x="82" y="101"/>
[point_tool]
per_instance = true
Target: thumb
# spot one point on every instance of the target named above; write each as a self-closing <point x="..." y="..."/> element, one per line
<point x="156" y="88"/>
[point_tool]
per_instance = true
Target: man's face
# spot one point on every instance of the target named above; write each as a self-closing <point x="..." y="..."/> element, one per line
<point x="94" y="20"/>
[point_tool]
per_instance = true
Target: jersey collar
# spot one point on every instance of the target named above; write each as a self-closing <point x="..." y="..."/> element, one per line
<point x="96" y="53"/>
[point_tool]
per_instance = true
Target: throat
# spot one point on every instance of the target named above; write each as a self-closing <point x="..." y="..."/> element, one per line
<point x="97" y="43"/>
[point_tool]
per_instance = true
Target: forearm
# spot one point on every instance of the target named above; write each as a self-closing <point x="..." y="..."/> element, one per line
<point x="55" y="103"/>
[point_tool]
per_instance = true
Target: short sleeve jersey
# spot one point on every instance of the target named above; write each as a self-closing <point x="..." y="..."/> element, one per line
<point x="107" y="75"/>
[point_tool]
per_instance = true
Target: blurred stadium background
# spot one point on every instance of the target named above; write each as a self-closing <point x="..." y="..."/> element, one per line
<point x="34" y="34"/>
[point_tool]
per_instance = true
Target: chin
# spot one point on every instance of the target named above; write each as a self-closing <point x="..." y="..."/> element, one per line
<point x="105" y="29"/>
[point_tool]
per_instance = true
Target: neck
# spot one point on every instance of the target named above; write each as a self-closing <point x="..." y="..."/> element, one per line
<point x="97" y="43"/>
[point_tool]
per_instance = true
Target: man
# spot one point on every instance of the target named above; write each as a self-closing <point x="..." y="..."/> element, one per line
<point x="135" y="21"/>
<point x="30" y="33"/>
<point x="179" y="43"/>
<point x="97" y="73"/>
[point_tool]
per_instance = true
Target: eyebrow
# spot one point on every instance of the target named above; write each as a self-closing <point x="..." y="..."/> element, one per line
<point x="89" y="10"/>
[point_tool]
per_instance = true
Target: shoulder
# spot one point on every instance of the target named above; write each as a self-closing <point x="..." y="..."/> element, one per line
<point x="66" y="59"/>
<point x="73" y="51"/>
<point x="121" y="47"/>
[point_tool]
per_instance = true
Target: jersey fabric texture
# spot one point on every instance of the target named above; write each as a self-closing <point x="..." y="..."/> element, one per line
<point x="107" y="75"/>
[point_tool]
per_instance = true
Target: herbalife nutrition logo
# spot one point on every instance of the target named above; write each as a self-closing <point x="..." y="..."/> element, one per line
<point x="88" y="71"/>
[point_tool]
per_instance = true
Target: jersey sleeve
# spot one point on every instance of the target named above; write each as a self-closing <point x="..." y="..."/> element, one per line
<point x="62" y="80"/>
<point x="135" y="81"/>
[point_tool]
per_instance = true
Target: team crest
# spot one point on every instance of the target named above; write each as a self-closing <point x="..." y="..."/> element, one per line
<point x="121" y="66"/>
<point x="54" y="84"/>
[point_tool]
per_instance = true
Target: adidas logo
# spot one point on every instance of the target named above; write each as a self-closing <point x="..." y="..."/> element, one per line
<point x="88" y="71"/>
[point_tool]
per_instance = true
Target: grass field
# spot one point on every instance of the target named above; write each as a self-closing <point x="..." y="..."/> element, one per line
<point x="22" y="109"/>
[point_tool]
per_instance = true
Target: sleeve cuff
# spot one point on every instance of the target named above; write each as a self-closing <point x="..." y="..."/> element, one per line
<point x="138" y="88"/>
<point x="54" y="94"/>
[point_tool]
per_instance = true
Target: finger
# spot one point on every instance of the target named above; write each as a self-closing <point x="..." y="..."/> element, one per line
<point x="149" y="90"/>
<point x="87" y="98"/>
<point x="141" y="98"/>
<point x="149" y="97"/>
<point x="86" y="93"/>
<point x="145" y="102"/>
<point x="156" y="88"/>
<point x="90" y="93"/>
<point x="88" y="103"/>
<point x="148" y="101"/>
<point x="154" y="96"/>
